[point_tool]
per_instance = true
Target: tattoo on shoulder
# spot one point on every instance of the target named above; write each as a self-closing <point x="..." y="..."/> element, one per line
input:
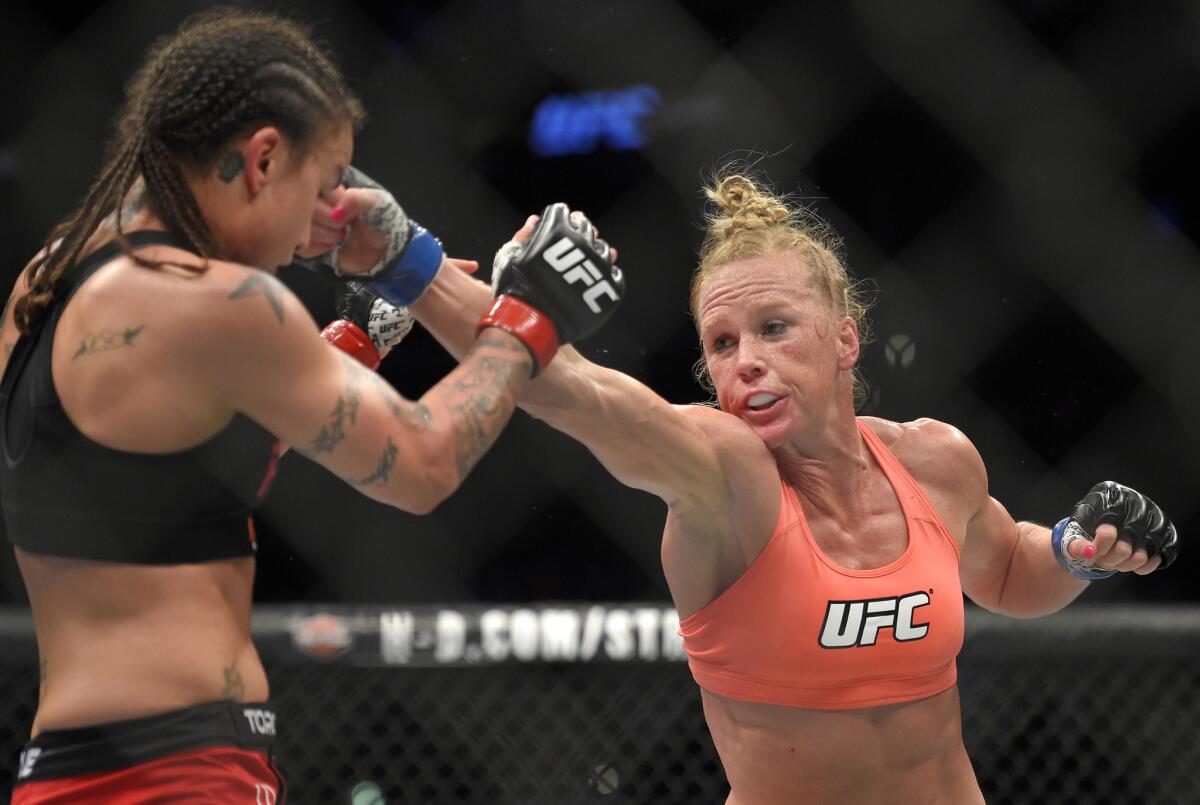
<point x="234" y="688"/>
<point x="386" y="462"/>
<point x="107" y="340"/>
<point x="415" y="416"/>
<point x="262" y="284"/>
<point x="233" y="164"/>
<point x="344" y="414"/>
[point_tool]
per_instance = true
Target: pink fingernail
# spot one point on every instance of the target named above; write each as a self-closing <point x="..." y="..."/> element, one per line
<point x="1089" y="552"/>
<point x="338" y="214"/>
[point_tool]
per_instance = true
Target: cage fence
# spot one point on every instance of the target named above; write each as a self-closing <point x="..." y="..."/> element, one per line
<point x="562" y="704"/>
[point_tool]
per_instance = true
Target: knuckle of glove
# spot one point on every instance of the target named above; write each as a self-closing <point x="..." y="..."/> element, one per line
<point x="564" y="274"/>
<point x="355" y="304"/>
<point x="1140" y="522"/>
<point x="1104" y="503"/>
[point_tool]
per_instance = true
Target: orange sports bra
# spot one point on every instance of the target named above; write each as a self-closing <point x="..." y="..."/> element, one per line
<point x="796" y="629"/>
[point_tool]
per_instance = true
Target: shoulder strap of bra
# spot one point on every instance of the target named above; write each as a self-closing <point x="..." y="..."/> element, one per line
<point x="899" y="476"/>
<point x="89" y="265"/>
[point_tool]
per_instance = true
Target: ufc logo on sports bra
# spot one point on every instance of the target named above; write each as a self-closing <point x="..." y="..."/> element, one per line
<point x="857" y="623"/>
<point x="565" y="258"/>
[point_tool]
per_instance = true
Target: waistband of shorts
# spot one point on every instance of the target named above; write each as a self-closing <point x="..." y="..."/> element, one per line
<point x="121" y="744"/>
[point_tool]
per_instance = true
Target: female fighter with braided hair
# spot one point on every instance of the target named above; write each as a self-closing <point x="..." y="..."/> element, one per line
<point x="153" y="366"/>
<point x="817" y="559"/>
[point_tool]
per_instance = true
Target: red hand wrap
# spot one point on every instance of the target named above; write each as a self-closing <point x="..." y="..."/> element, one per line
<point x="528" y="324"/>
<point x="349" y="338"/>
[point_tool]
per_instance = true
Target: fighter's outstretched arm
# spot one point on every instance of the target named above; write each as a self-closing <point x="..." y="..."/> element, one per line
<point x="683" y="454"/>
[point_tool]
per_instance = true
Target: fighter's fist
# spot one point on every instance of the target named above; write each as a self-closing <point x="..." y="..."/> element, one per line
<point x="1115" y="529"/>
<point x="555" y="288"/>
<point x="361" y="233"/>
<point x="369" y="326"/>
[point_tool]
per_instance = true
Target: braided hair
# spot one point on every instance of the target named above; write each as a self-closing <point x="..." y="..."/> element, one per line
<point x="225" y="72"/>
<point x="749" y="220"/>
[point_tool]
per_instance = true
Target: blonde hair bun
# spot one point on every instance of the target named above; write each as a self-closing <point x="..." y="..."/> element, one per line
<point x="746" y="206"/>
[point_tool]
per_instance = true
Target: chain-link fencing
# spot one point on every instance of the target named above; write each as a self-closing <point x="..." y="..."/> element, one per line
<point x="527" y="706"/>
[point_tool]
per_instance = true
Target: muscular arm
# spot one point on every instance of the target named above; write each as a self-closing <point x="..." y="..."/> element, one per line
<point x="645" y="442"/>
<point x="268" y="361"/>
<point x="1007" y="567"/>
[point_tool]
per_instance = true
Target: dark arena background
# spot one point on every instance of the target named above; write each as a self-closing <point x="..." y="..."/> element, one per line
<point x="1015" y="180"/>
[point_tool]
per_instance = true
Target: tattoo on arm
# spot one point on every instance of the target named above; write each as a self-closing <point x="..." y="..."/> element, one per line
<point x="233" y="164"/>
<point x="386" y="462"/>
<point x="107" y="340"/>
<point x="234" y="688"/>
<point x="345" y="414"/>
<point x="482" y="400"/>
<point x="260" y="283"/>
<point x="415" y="416"/>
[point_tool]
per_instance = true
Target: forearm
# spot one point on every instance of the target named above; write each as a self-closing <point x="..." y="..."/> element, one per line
<point x="451" y="307"/>
<point x="636" y="434"/>
<point x="450" y="310"/>
<point x="1035" y="584"/>
<point x="458" y="420"/>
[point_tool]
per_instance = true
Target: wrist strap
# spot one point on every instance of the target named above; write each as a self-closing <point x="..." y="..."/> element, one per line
<point x="415" y="268"/>
<point x="1063" y="534"/>
<point x="527" y="324"/>
<point x="349" y="338"/>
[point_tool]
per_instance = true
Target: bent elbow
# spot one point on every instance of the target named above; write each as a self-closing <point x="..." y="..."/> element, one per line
<point x="428" y="487"/>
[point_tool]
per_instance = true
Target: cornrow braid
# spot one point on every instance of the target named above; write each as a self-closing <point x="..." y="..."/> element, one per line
<point x="66" y="240"/>
<point x="166" y="184"/>
<point x="225" y="72"/>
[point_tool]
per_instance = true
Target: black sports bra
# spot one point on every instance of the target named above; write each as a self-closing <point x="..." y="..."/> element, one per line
<point x="66" y="495"/>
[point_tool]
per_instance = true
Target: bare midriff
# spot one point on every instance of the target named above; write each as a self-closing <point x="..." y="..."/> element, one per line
<point x="899" y="754"/>
<point x="121" y="641"/>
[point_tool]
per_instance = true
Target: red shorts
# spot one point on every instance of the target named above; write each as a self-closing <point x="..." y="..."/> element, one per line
<point x="219" y="752"/>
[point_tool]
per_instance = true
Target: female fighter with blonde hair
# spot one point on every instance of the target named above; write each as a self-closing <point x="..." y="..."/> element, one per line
<point x="817" y="558"/>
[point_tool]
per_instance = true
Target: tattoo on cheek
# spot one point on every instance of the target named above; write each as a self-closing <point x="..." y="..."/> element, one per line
<point x="233" y="164"/>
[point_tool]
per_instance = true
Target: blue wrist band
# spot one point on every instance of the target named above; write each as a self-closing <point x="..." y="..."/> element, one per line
<point x="403" y="282"/>
<point x="1063" y="534"/>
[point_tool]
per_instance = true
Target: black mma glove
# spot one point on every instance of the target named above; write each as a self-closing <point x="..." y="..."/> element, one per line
<point x="369" y="325"/>
<point x="1138" y="520"/>
<point x="556" y="288"/>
